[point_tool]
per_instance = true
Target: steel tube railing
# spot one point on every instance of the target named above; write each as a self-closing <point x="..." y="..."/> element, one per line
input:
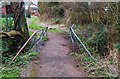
<point x="74" y="37"/>
<point x="29" y="41"/>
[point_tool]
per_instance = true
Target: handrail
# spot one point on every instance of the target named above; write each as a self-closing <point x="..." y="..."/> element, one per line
<point x="43" y="34"/>
<point x="73" y="35"/>
<point x="28" y="41"/>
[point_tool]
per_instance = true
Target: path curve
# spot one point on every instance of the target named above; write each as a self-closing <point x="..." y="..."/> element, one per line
<point x="53" y="60"/>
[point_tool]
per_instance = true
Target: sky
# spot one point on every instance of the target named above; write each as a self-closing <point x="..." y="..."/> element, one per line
<point x="35" y="1"/>
<point x="78" y="0"/>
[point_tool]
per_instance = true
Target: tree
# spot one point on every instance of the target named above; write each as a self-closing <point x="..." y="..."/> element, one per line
<point x="14" y="39"/>
<point x="19" y="19"/>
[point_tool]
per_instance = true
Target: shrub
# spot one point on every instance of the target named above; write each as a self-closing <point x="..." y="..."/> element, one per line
<point x="101" y="41"/>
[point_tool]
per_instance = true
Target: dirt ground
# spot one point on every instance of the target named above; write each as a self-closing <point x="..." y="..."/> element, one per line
<point x="53" y="60"/>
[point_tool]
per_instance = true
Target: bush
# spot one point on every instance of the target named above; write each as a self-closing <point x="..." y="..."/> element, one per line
<point x="101" y="41"/>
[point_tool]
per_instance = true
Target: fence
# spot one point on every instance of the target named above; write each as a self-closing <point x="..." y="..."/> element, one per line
<point x="75" y="38"/>
<point x="35" y="40"/>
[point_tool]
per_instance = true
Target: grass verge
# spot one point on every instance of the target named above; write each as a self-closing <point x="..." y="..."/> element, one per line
<point x="54" y="30"/>
<point x="13" y="71"/>
<point x="33" y="25"/>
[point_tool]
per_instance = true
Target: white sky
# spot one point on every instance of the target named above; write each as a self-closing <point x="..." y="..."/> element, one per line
<point x="78" y="0"/>
<point x="35" y="1"/>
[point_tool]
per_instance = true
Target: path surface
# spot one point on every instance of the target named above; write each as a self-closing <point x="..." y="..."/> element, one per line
<point x="54" y="60"/>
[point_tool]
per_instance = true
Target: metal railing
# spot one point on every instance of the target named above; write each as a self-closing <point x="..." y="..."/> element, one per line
<point x="34" y="39"/>
<point x="75" y="38"/>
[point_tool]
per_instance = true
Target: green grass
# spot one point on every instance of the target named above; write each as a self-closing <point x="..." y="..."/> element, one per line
<point x="1" y="22"/>
<point x="13" y="71"/>
<point x="4" y="26"/>
<point x="2" y="19"/>
<point x="30" y="33"/>
<point x="33" y="25"/>
<point x="45" y="38"/>
<point x="31" y="55"/>
<point x="10" y="73"/>
<point x="54" y="30"/>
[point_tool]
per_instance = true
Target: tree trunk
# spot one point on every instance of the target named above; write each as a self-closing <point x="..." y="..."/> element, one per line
<point x="18" y="9"/>
<point x="13" y="40"/>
